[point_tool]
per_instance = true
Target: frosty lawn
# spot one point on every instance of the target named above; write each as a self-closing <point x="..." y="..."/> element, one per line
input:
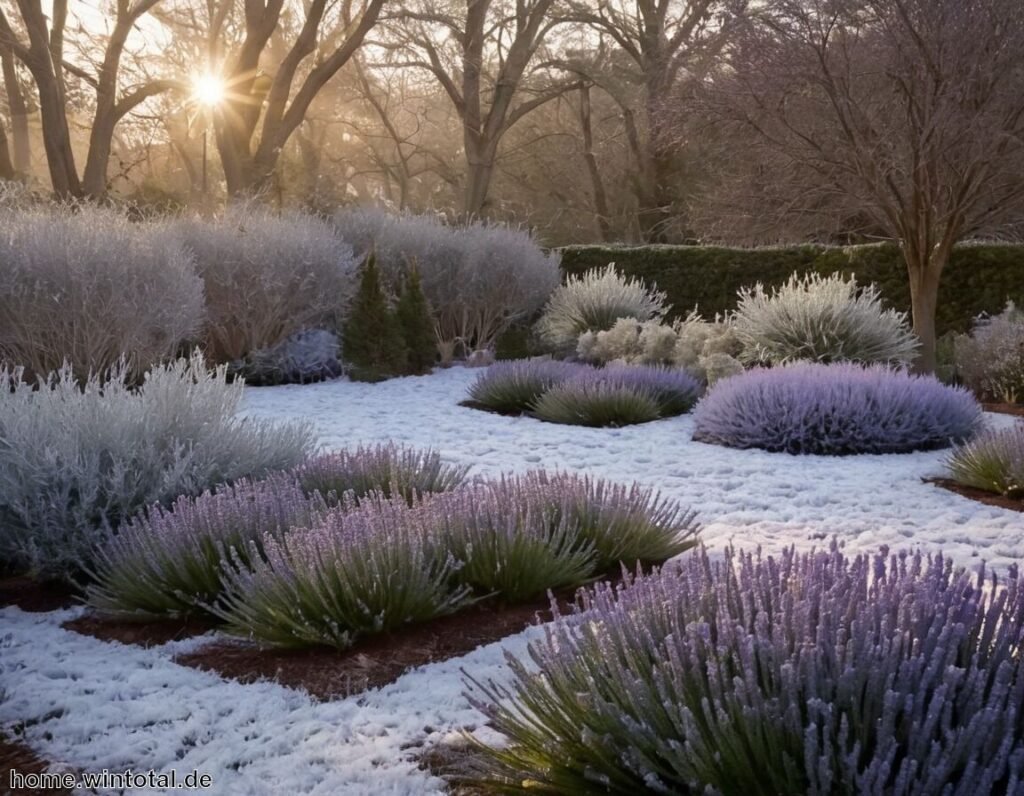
<point x="91" y="704"/>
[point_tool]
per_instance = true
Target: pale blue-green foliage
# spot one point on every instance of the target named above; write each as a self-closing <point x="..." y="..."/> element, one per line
<point x="993" y="461"/>
<point x="77" y="460"/>
<point x="821" y="319"/>
<point x="991" y="359"/>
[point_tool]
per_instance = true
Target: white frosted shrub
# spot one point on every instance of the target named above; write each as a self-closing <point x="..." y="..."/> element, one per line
<point x="594" y="302"/>
<point x="88" y="288"/>
<point x="479" y="279"/>
<point x="647" y="343"/>
<point x="821" y="319"/>
<point x="708" y="349"/>
<point x="266" y="276"/>
<point x="75" y="462"/>
<point x="991" y="359"/>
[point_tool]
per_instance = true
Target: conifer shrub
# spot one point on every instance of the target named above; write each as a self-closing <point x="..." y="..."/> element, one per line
<point x="373" y="346"/>
<point x="835" y="410"/>
<point x="808" y="673"/>
<point x="417" y="322"/>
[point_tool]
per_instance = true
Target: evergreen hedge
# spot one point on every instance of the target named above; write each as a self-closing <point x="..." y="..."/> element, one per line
<point x="979" y="278"/>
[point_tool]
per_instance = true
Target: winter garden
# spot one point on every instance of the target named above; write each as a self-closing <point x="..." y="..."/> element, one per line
<point x="317" y="495"/>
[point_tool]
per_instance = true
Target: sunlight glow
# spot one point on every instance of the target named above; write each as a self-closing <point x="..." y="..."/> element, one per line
<point x="208" y="90"/>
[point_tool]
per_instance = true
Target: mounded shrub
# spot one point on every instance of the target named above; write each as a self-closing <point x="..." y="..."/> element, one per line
<point x="835" y="410"/>
<point x="590" y="400"/>
<point x="390" y="470"/>
<point x="629" y="341"/>
<point x="514" y="386"/>
<point x="993" y="461"/>
<point x="676" y="391"/>
<point x="813" y="674"/>
<point x="88" y="287"/>
<point x="594" y="302"/>
<point x="820" y="319"/>
<point x="266" y="276"/>
<point x="77" y="461"/>
<point x="991" y="359"/>
<point x="305" y="357"/>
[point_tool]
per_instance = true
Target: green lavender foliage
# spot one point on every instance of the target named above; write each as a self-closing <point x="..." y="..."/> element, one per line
<point x="993" y="461"/>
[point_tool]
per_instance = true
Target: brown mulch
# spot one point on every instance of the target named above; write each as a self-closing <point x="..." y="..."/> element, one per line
<point x="29" y="594"/>
<point x="17" y="755"/>
<point x="973" y="493"/>
<point x="1005" y="409"/>
<point x="485" y="408"/>
<point x="373" y="661"/>
<point x="134" y="631"/>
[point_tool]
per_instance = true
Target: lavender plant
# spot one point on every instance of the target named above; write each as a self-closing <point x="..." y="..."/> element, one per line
<point x="390" y="469"/>
<point x="675" y="390"/>
<point x="813" y="674"/>
<point x="835" y="410"/>
<point x="358" y="571"/>
<point x="172" y="561"/>
<point x="993" y="461"/>
<point x="515" y="386"/>
<point x="591" y="400"/>
<point x="991" y="359"/>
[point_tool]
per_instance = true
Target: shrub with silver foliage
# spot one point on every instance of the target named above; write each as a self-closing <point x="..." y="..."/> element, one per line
<point x="810" y="674"/>
<point x="821" y="319"/>
<point x="88" y="288"/>
<point x="304" y="357"/>
<point x="993" y="461"/>
<point x="629" y="341"/>
<point x="266" y="276"/>
<point x="991" y="359"/>
<point x="76" y="462"/>
<point x="594" y="302"/>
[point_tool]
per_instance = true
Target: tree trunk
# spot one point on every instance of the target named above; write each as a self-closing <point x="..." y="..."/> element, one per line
<point x="925" y="272"/>
<point x="479" y="170"/>
<point x="19" y="116"/>
<point x="596" y="182"/>
<point x="6" y="164"/>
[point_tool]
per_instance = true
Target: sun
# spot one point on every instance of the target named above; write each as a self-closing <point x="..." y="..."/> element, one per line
<point x="208" y="90"/>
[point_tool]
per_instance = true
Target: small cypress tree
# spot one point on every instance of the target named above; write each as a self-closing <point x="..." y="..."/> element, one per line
<point x="417" y="323"/>
<point x="373" y="346"/>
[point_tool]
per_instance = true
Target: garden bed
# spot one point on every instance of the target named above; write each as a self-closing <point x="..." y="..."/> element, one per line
<point x="980" y="495"/>
<point x="1005" y="409"/>
<point x="31" y="595"/>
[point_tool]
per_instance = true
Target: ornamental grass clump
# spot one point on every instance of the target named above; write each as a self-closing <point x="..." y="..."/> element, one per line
<point x="821" y="319"/>
<point x="676" y="390"/>
<point x="811" y="674"/>
<point x="835" y="410"/>
<point x="172" y="561"/>
<point x="591" y="400"/>
<point x="390" y="469"/>
<point x="515" y="386"/>
<point x="993" y="461"/>
<point x="359" y="571"/>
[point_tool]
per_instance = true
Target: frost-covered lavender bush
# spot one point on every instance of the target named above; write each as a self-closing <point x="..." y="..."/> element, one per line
<point x="172" y="561"/>
<point x="821" y="319"/>
<point x="356" y="572"/>
<point x="594" y="302"/>
<point x="391" y="470"/>
<point x="810" y="674"/>
<point x="88" y="288"/>
<point x="993" y="461"/>
<point x="590" y="400"/>
<point x="304" y="357"/>
<point x="515" y="385"/>
<point x="991" y="359"/>
<point x="479" y="278"/>
<point x="675" y="390"/>
<point x="266" y="276"/>
<point x="76" y="460"/>
<point x="835" y="410"/>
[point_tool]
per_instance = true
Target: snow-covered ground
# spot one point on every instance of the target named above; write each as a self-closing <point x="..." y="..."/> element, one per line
<point x="93" y="705"/>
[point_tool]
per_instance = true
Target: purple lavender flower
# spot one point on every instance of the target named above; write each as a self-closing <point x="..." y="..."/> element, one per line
<point x="799" y="674"/>
<point x="835" y="409"/>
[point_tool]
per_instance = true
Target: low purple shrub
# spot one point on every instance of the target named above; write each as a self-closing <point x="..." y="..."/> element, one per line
<point x="835" y="409"/>
<point x="799" y="674"/>
<point x="993" y="461"/>
<point x="515" y="386"/>
<point x="171" y="562"/>
<point x="675" y="389"/>
<point x="387" y="469"/>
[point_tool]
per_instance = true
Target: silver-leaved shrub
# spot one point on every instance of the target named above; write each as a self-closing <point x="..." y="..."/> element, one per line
<point x="993" y="461"/>
<point x="991" y="359"/>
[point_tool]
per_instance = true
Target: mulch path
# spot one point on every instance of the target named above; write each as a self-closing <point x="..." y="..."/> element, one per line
<point x="1005" y="409"/>
<point x="374" y="661"/>
<point x="17" y="755"/>
<point x="980" y="495"/>
<point x="134" y="631"/>
<point x="29" y="594"/>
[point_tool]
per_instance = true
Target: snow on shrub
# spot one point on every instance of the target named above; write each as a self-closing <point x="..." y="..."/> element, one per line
<point x="266" y="276"/>
<point x="88" y="288"/>
<point x="631" y="341"/>
<point x="835" y="410"/>
<point x="172" y="561"/>
<point x="822" y="319"/>
<point x="390" y="470"/>
<point x="76" y="461"/>
<point x="708" y="349"/>
<point x="993" y="461"/>
<point x="812" y="674"/>
<point x="594" y="302"/>
<point x="355" y="572"/>
<point x="514" y="386"/>
<point x="991" y="359"/>
<point x="478" y="278"/>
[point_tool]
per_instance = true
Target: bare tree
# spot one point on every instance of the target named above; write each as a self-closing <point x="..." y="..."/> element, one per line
<point x="42" y="50"/>
<point x="17" y="109"/>
<point x="907" y="115"/>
